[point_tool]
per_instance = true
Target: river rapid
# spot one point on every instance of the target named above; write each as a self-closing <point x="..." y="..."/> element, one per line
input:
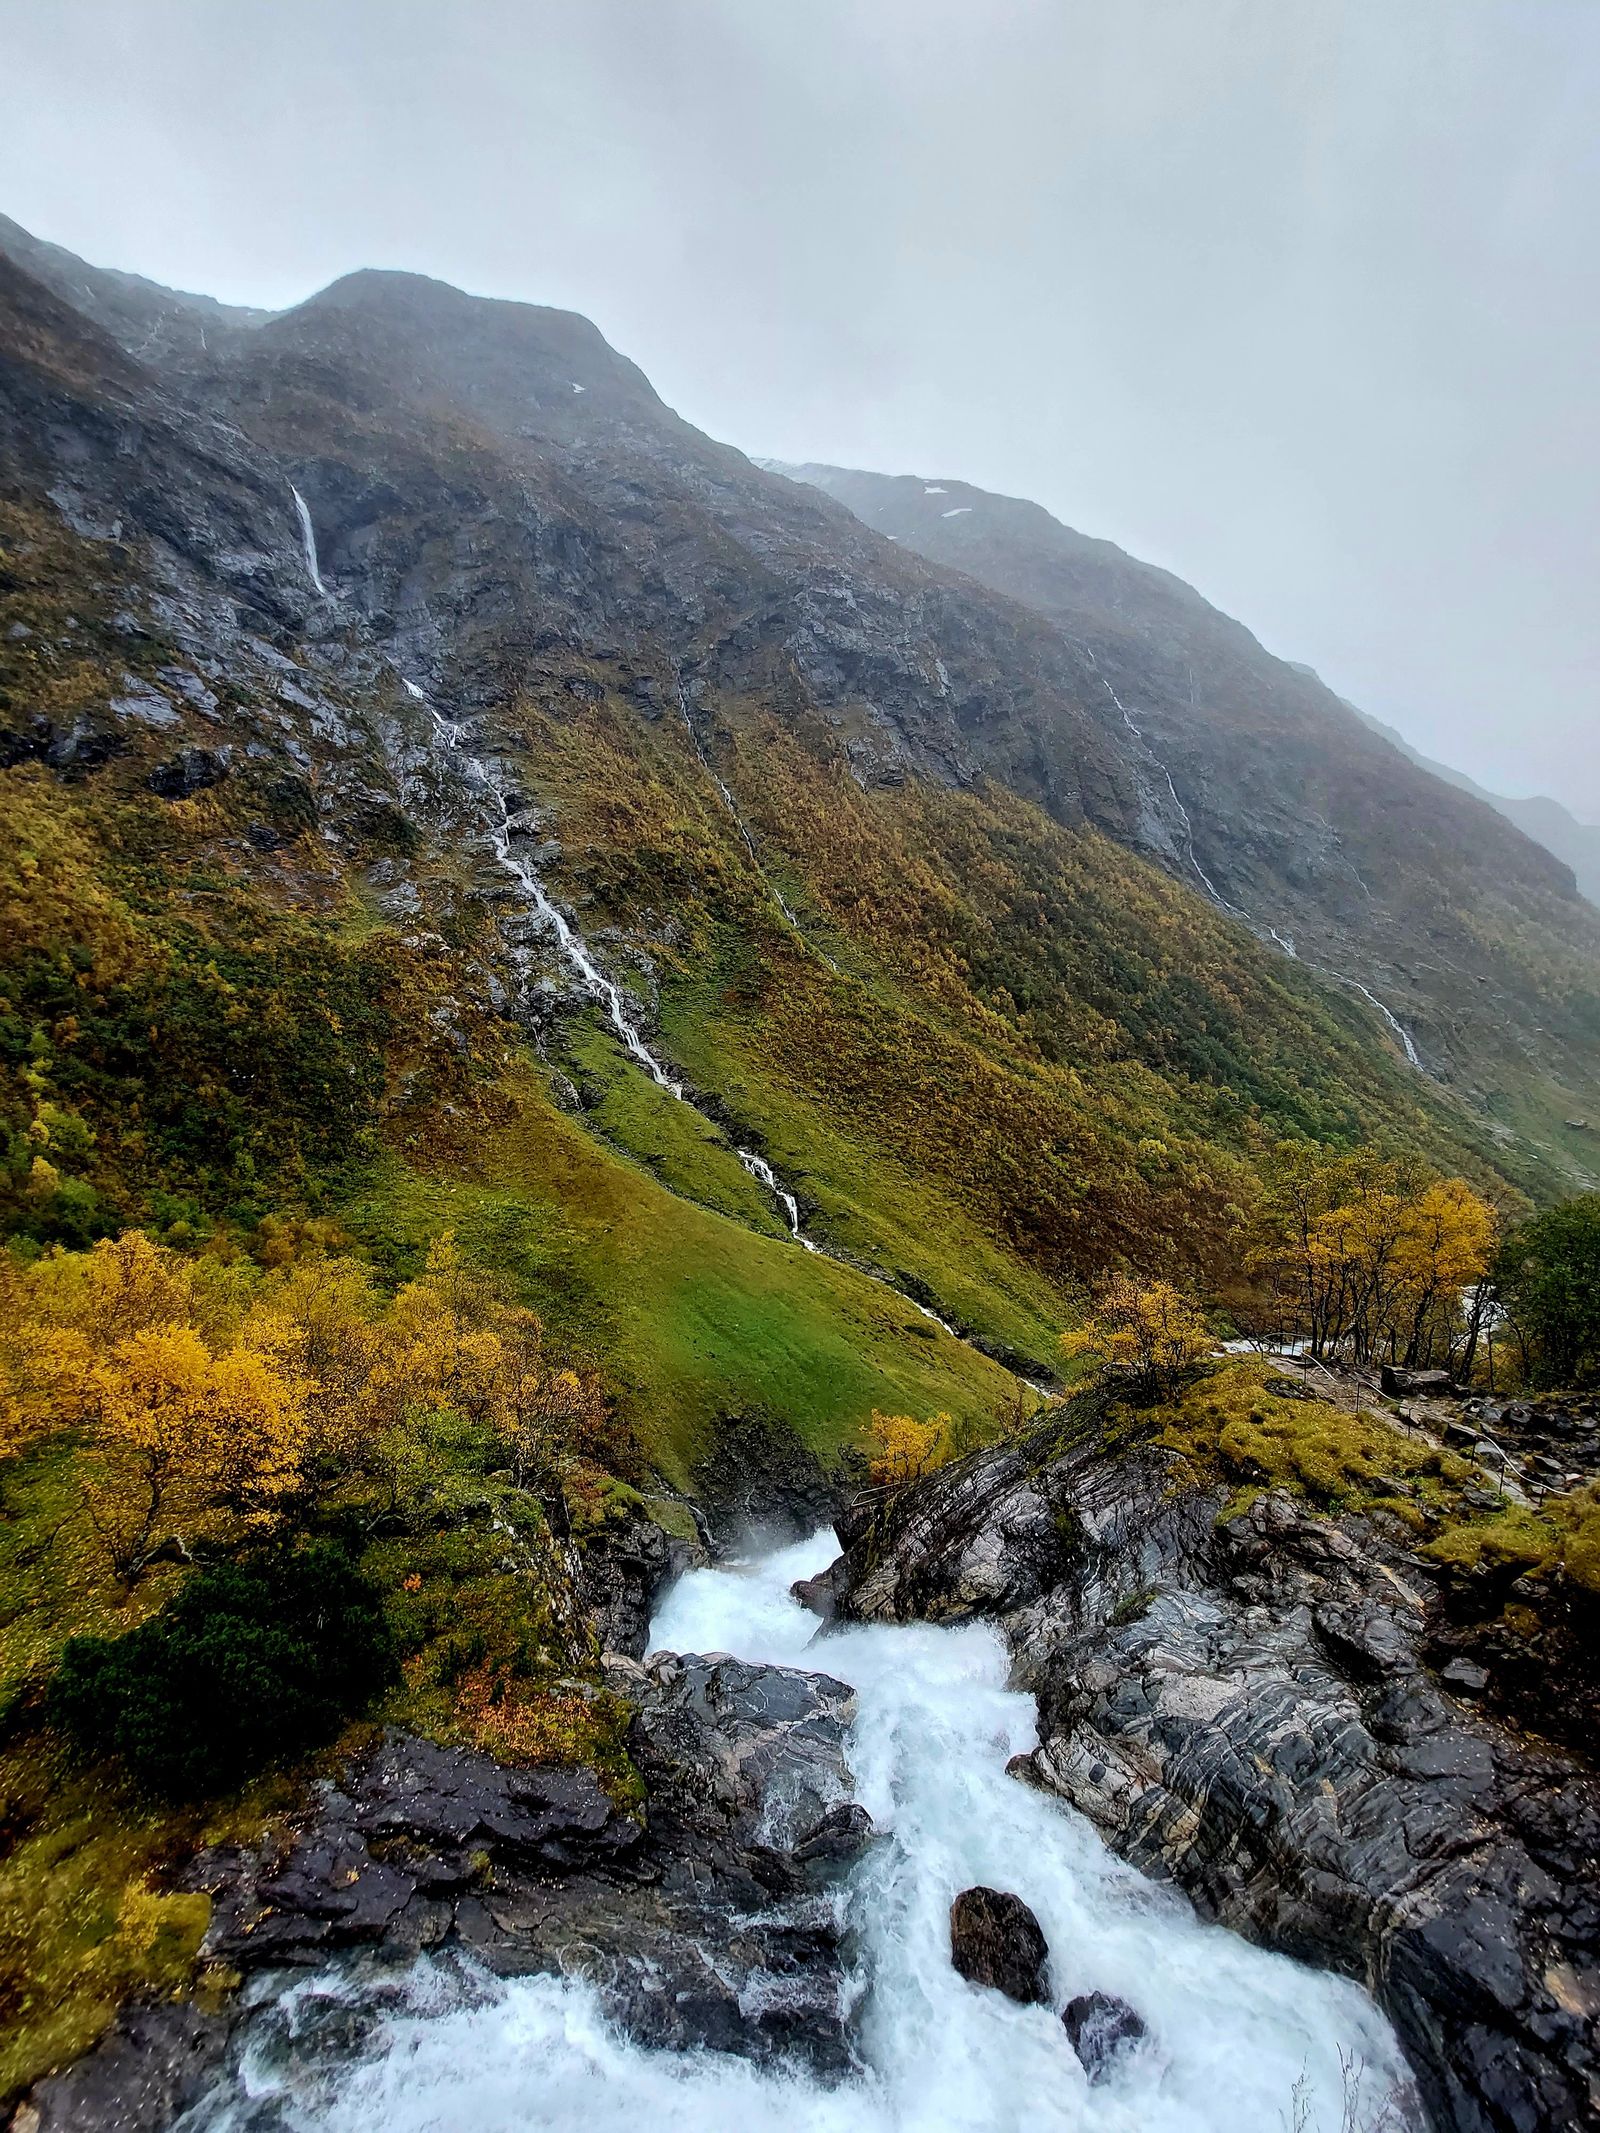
<point x="1239" y="2041"/>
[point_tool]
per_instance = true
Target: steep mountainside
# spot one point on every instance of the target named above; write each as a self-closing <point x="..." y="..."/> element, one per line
<point x="446" y="785"/>
<point x="1576" y="844"/>
<point x="1286" y="807"/>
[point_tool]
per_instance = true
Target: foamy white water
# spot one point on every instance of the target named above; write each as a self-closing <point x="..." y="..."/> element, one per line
<point x="308" y="541"/>
<point x="1240" y="2041"/>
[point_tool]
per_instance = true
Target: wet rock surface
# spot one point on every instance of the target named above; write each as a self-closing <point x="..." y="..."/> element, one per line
<point x="1102" y="2029"/>
<point x="1247" y="1710"/>
<point x="995" y="1940"/>
<point x="622" y="1569"/>
<point x="708" y="1918"/>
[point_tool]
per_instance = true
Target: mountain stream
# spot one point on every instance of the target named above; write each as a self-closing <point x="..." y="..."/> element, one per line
<point x="1239" y="2041"/>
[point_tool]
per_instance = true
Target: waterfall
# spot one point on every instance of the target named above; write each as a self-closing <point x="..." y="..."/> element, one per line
<point x="575" y="952"/>
<point x="1239" y="2041"/>
<point x="1388" y="1015"/>
<point x="1258" y="926"/>
<point x="308" y="541"/>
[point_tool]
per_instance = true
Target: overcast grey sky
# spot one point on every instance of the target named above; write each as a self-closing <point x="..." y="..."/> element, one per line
<point x="1300" y="298"/>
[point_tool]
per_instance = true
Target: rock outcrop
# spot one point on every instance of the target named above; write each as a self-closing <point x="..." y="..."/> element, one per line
<point x="708" y="1918"/>
<point x="1246" y="1709"/>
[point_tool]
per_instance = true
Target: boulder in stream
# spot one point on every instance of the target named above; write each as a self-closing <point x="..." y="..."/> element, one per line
<point x="996" y="1940"/>
<point x="1102" y="2030"/>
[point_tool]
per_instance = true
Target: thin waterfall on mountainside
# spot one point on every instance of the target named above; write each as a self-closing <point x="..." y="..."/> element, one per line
<point x="1257" y="926"/>
<point x="480" y="774"/>
<point x="308" y="541"/>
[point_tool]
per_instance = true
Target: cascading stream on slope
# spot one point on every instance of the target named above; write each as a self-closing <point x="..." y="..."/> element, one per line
<point x="575" y="952"/>
<point x="480" y="775"/>
<point x="1239" y="2041"/>
<point x="1257" y="926"/>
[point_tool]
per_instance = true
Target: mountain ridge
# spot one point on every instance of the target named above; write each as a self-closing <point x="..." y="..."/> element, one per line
<point x="869" y="848"/>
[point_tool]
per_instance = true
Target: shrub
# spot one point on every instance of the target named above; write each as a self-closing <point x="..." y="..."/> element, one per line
<point x="1547" y="1280"/>
<point x="250" y="1663"/>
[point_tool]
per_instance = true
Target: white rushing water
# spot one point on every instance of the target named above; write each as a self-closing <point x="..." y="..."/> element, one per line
<point x="308" y="541"/>
<point x="1240" y="2041"/>
<point x="1391" y="1018"/>
<point x="482" y="777"/>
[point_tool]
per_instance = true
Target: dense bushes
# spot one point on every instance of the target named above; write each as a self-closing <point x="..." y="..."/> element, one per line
<point x="251" y="1663"/>
<point x="1547" y="1283"/>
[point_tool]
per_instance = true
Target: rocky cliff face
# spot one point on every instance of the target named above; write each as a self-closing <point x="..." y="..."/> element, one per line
<point x="1289" y="808"/>
<point x="1247" y="1708"/>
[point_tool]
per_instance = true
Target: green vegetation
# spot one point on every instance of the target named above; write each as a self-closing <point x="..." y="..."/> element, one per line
<point x="250" y="1663"/>
<point x="1547" y="1281"/>
<point x="693" y="1316"/>
<point x="1240" y="1425"/>
<point x="1231" y="1426"/>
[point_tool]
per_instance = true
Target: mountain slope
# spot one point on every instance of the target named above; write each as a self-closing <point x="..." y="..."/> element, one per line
<point x="1287" y="807"/>
<point x="857" y="851"/>
<point x="1576" y="844"/>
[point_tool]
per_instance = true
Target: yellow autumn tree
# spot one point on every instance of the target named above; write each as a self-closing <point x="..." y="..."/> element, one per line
<point x="212" y="1395"/>
<point x="1145" y="1333"/>
<point x="179" y="1432"/>
<point x="1364" y="1255"/>
<point x="902" y="1449"/>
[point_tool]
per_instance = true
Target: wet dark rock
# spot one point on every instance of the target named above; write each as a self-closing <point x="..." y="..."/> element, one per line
<point x="1245" y="1709"/>
<point x="817" y="1594"/>
<point x="708" y="1919"/>
<point x="762" y="1483"/>
<point x="150" y="2066"/>
<point x="190" y="771"/>
<point x="624" y="1567"/>
<point x="995" y="1940"/>
<point x="1465" y="1677"/>
<point x="755" y="1753"/>
<point x="1398" y="1384"/>
<point x="1102" y="2030"/>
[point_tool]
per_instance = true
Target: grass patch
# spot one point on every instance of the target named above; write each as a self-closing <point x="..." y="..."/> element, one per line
<point x="680" y="1147"/>
<point x="1231" y="1429"/>
<point x="692" y="1315"/>
<point x="858" y="1196"/>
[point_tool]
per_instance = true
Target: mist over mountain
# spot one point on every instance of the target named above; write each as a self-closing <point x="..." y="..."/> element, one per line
<point x="574" y="1008"/>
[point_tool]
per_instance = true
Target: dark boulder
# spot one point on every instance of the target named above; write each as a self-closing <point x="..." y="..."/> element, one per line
<point x="1397" y="1383"/>
<point x="1102" y="2030"/>
<point x="190" y="771"/>
<point x="995" y="1940"/>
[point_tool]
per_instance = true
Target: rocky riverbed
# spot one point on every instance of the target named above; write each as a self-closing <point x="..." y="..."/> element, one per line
<point x="1248" y="1709"/>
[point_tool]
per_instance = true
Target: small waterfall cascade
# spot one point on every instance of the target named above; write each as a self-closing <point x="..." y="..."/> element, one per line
<point x="1389" y="1016"/>
<point x="308" y="541"/>
<point x="482" y="778"/>
<point x="1239" y="2041"/>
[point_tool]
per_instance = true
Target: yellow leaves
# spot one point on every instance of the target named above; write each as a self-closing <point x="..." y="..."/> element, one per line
<point x="150" y="1392"/>
<point x="50" y="897"/>
<point x="210" y="1391"/>
<point x="1361" y="1254"/>
<point x="1144" y="1331"/>
<point x="902" y="1449"/>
